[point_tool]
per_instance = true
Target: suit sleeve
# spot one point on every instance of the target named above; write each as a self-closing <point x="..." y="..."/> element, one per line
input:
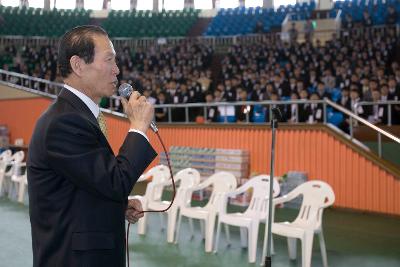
<point x="76" y="152"/>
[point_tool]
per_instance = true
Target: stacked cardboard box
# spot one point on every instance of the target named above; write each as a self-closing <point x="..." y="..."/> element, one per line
<point x="209" y="161"/>
<point x="4" y="136"/>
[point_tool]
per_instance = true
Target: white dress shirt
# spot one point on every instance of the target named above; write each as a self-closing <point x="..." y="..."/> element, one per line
<point x="94" y="108"/>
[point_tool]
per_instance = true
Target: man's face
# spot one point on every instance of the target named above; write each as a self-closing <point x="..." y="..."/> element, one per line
<point x="243" y="95"/>
<point x="354" y="95"/>
<point x="376" y="95"/>
<point x="303" y="94"/>
<point x="100" y="76"/>
<point x="384" y="90"/>
<point x="161" y="97"/>
<point x="209" y="98"/>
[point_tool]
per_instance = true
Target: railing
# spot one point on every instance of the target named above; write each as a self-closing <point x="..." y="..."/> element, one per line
<point x="214" y="41"/>
<point x="30" y="84"/>
<point x="51" y="89"/>
<point x="227" y="106"/>
<point x="388" y="103"/>
<point x="27" y="40"/>
<point x="353" y="116"/>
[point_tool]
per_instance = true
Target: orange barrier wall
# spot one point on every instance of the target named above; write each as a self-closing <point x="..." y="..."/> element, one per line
<point x="20" y="116"/>
<point x="358" y="183"/>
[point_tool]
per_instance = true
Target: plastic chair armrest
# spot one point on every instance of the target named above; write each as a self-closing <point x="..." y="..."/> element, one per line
<point x="162" y="184"/>
<point x="238" y="191"/>
<point x="200" y="186"/>
<point x="142" y="178"/>
<point x="282" y="199"/>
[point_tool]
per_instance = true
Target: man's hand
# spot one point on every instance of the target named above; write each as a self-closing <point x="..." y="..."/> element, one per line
<point x="140" y="112"/>
<point x="134" y="211"/>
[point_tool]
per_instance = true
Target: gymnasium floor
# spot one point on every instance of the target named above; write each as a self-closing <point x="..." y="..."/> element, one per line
<point x="352" y="239"/>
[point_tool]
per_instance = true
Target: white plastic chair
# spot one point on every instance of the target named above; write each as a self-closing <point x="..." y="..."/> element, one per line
<point x="5" y="159"/>
<point x="221" y="182"/>
<point x="5" y="155"/>
<point x="187" y="179"/>
<point x="17" y="184"/>
<point x="159" y="174"/>
<point x="15" y="162"/>
<point x="317" y="195"/>
<point x="249" y="220"/>
<point x="22" y="193"/>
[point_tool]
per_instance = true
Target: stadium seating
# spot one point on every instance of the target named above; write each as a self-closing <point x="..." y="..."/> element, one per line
<point x="150" y="24"/>
<point x="240" y="20"/>
<point x="377" y="9"/>
<point x="39" y="22"/>
<point x="53" y="23"/>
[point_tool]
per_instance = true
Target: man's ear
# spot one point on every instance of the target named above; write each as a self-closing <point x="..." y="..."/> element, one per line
<point x="77" y="64"/>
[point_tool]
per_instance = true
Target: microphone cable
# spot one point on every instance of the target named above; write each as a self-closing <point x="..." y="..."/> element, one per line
<point x="148" y="211"/>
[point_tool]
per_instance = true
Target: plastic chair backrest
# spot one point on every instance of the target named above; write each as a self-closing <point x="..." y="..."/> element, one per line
<point x="5" y="158"/>
<point x="5" y="155"/>
<point x="15" y="161"/>
<point x="222" y="182"/>
<point x="258" y="206"/>
<point x="159" y="174"/>
<point x="188" y="178"/>
<point x="317" y="195"/>
<point x="18" y="156"/>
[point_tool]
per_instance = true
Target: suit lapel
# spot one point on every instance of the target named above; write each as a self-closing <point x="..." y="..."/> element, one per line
<point x="83" y="110"/>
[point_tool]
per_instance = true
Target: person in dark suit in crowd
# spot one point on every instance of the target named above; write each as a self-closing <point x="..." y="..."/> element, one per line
<point x="377" y="113"/>
<point x="303" y="108"/>
<point x="315" y="111"/>
<point x="161" y="113"/>
<point x="181" y="96"/>
<point x="291" y="111"/>
<point x="345" y="100"/>
<point x="321" y="91"/>
<point x="268" y="114"/>
<point x="259" y="28"/>
<point x="212" y="113"/>
<point x="366" y="20"/>
<point x="391" y="17"/>
<point x="348" y="23"/>
<point x="281" y="86"/>
<point x="243" y="113"/>
<point x="394" y="94"/>
<point x="78" y="188"/>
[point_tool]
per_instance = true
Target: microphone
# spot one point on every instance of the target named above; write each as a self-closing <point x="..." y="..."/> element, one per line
<point x="125" y="90"/>
<point x="277" y="114"/>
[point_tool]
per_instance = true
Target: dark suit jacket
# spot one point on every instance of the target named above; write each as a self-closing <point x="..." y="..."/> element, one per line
<point x="304" y="112"/>
<point x="78" y="189"/>
<point x="382" y="112"/>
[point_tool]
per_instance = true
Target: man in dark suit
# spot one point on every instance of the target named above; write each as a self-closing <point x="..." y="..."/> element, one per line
<point x="78" y="188"/>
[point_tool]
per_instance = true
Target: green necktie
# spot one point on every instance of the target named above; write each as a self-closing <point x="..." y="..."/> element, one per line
<point x="102" y="123"/>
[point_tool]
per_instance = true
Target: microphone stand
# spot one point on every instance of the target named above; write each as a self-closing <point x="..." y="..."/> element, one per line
<point x="276" y="115"/>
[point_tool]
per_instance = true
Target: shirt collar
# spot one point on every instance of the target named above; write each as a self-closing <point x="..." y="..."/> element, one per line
<point x="94" y="108"/>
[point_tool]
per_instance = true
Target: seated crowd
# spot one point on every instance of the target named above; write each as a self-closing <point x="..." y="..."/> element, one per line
<point x="346" y="70"/>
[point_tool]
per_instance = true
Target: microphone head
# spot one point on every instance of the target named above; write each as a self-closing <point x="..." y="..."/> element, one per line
<point x="125" y="90"/>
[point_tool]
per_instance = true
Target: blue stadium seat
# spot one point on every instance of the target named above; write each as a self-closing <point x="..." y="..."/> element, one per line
<point x="243" y="20"/>
<point x="259" y="114"/>
<point x="336" y="94"/>
<point x="335" y="118"/>
<point x="228" y="118"/>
